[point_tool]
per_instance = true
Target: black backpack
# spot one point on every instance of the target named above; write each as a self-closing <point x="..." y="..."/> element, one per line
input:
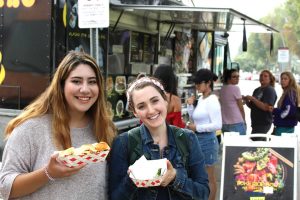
<point x="135" y="150"/>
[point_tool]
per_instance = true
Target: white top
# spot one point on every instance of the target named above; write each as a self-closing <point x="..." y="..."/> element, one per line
<point x="29" y="148"/>
<point x="207" y="114"/>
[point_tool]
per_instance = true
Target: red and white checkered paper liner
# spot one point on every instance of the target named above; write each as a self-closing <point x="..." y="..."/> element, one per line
<point x="147" y="183"/>
<point x="75" y="160"/>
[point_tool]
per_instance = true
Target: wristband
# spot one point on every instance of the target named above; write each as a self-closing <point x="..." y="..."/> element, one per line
<point x="48" y="175"/>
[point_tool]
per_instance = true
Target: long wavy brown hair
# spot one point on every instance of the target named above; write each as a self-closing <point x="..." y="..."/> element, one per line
<point x="52" y="101"/>
<point x="271" y="76"/>
<point x="291" y="90"/>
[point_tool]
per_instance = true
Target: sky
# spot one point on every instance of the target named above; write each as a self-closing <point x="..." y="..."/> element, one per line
<point x="255" y="9"/>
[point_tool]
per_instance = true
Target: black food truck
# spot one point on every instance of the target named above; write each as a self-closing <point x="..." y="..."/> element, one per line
<point x="35" y="35"/>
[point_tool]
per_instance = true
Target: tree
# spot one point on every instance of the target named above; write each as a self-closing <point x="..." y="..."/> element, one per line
<point x="285" y="19"/>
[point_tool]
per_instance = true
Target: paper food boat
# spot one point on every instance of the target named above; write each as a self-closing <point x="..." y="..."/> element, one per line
<point x="79" y="159"/>
<point x="148" y="173"/>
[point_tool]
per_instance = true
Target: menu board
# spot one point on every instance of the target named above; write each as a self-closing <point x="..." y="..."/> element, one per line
<point x="149" y="48"/>
<point x="116" y="95"/>
<point x="118" y="52"/>
<point x="142" y="47"/>
<point x="136" y="47"/>
<point x="259" y="170"/>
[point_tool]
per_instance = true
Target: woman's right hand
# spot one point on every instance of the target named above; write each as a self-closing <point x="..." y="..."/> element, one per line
<point x="191" y="100"/>
<point x="191" y="126"/>
<point x="169" y="176"/>
<point x="59" y="170"/>
<point x="270" y="108"/>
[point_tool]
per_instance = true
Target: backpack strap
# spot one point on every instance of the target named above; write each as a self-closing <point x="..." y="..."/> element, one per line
<point x="135" y="150"/>
<point x="134" y="145"/>
<point x="181" y="143"/>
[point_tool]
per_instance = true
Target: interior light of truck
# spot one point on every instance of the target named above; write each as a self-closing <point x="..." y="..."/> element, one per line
<point x="65" y="15"/>
<point x="13" y="3"/>
<point x="28" y="3"/>
<point x="16" y="3"/>
<point x="2" y="74"/>
<point x="2" y="70"/>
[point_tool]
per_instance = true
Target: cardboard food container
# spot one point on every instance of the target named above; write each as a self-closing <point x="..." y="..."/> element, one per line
<point x="78" y="158"/>
<point x="148" y="173"/>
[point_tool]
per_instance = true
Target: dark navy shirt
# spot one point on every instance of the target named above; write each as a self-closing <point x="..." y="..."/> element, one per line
<point x="285" y="115"/>
<point x="266" y="95"/>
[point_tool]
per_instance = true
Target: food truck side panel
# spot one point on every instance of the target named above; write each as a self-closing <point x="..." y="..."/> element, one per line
<point x="25" y="46"/>
<point x="34" y="40"/>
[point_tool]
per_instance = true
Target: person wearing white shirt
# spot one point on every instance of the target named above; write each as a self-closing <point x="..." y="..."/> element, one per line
<point x="207" y="119"/>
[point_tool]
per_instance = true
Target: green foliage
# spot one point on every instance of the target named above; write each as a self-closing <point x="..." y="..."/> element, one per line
<point x="249" y="63"/>
<point x="286" y="19"/>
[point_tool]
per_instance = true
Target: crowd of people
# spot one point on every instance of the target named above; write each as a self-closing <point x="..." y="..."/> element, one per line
<point x="72" y="111"/>
<point x="264" y="112"/>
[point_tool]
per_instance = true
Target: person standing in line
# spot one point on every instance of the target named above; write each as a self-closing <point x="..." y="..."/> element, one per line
<point x="70" y="112"/>
<point x="285" y="114"/>
<point x="184" y="178"/>
<point x="232" y="107"/>
<point x="260" y="102"/>
<point x="207" y="120"/>
<point x="170" y="81"/>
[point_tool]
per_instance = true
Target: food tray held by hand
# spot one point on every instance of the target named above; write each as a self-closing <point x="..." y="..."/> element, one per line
<point x="147" y="183"/>
<point x="76" y="160"/>
<point x="148" y="173"/>
<point x="87" y="153"/>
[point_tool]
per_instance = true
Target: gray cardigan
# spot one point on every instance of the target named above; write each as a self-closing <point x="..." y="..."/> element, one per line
<point x="29" y="148"/>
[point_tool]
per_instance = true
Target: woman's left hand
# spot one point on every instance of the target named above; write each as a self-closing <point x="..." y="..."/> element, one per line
<point x="191" y="126"/>
<point x="59" y="170"/>
<point x="169" y="176"/>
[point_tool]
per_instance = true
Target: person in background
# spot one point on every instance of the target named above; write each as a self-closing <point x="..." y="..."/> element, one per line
<point x="260" y="102"/>
<point x="70" y="112"/>
<point x="207" y="120"/>
<point x="232" y="107"/>
<point x="182" y="180"/>
<point x="141" y="75"/>
<point x="168" y="78"/>
<point x="285" y="114"/>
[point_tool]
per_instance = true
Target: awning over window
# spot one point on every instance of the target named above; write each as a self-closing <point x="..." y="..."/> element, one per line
<point x="206" y="19"/>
